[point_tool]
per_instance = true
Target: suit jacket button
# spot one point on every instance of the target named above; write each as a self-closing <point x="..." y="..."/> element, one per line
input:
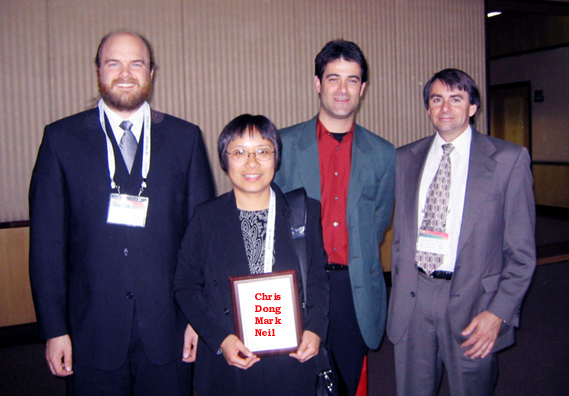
<point x="215" y="282"/>
<point x="130" y="295"/>
<point x="125" y="252"/>
<point x="413" y="294"/>
<point x="226" y="311"/>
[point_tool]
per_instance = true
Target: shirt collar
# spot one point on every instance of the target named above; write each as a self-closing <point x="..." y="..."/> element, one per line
<point x="461" y="143"/>
<point x="321" y="131"/>
<point x="115" y="120"/>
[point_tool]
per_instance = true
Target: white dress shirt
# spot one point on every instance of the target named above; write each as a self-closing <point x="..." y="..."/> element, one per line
<point x="459" y="159"/>
<point x="115" y="120"/>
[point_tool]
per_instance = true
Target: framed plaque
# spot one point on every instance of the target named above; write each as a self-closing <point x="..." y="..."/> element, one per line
<point x="267" y="312"/>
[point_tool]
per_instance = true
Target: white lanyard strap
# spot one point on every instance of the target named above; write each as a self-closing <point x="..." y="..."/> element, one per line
<point x="270" y="236"/>
<point x="145" y="152"/>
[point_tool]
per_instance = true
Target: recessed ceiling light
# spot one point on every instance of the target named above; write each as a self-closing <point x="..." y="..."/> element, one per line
<point x="493" y="13"/>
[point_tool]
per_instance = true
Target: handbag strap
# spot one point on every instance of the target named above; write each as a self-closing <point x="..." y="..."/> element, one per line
<point x="327" y="378"/>
<point x="297" y="203"/>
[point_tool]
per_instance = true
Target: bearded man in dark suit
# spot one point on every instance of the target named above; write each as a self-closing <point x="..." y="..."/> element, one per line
<point x="111" y="195"/>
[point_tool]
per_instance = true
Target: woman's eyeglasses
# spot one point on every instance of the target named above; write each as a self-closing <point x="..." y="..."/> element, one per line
<point x="241" y="155"/>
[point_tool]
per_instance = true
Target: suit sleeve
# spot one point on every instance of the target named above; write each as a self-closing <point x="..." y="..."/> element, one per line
<point x="384" y="205"/>
<point x="318" y="283"/>
<point x="395" y="246"/>
<point x="48" y="241"/>
<point x="518" y="251"/>
<point x="200" y="181"/>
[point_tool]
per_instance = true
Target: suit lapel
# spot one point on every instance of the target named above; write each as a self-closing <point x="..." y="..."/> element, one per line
<point x="359" y="172"/>
<point x="157" y="135"/>
<point x="481" y="170"/>
<point x="156" y="131"/>
<point x="410" y="178"/>
<point x="306" y="156"/>
<point x="95" y="133"/>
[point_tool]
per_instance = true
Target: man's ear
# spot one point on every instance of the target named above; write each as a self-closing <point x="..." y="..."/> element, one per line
<point x="362" y="88"/>
<point x="317" y="84"/>
<point x="472" y="110"/>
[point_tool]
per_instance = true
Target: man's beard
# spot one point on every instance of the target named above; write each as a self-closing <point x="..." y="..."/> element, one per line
<point x="124" y="101"/>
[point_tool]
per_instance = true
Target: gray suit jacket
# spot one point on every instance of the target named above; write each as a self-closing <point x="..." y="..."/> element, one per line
<point x="496" y="248"/>
<point x="370" y="202"/>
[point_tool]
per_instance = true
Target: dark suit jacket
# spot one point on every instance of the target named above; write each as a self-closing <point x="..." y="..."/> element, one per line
<point x="212" y="251"/>
<point x="87" y="276"/>
<point x="496" y="248"/>
<point x="369" y="210"/>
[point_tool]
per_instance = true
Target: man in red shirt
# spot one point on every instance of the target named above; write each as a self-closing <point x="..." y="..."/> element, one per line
<point x="351" y="171"/>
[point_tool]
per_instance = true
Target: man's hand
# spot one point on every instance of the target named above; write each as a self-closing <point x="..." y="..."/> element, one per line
<point x="236" y="353"/>
<point x="58" y="353"/>
<point x="308" y="348"/>
<point x="190" y="349"/>
<point x="483" y="331"/>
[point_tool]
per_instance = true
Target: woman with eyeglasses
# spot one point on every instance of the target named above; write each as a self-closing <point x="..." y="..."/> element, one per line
<point x="227" y="237"/>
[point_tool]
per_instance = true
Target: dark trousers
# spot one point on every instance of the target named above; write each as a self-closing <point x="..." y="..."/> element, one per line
<point x="137" y="377"/>
<point x="429" y="344"/>
<point x="344" y="336"/>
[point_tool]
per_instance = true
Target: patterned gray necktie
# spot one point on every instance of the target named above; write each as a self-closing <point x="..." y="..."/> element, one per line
<point x="436" y="209"/>
<point x="128" y="144"/>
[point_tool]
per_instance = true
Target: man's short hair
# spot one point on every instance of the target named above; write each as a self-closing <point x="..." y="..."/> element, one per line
<point x="340" y="49"/>
<point x="251" y="123"/>
<point x="454" y="79"/>
<point x="111" y="34"/>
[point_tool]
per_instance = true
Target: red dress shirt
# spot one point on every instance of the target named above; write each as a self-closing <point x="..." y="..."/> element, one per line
<point x="335" y="164"/>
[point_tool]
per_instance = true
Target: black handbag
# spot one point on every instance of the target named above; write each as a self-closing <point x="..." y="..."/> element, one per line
<point x="326" y="381"/>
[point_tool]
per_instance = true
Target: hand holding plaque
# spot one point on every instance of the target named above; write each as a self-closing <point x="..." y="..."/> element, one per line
<point x="267" y="312"/>
<point x="236" y="353"/>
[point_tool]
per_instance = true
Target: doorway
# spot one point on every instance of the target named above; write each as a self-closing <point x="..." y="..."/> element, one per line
<point x="510" y="112"/>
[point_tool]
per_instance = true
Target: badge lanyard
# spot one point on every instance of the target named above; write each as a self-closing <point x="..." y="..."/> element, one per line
<point x="145" y="152"/>
<point x="270" y="239"/>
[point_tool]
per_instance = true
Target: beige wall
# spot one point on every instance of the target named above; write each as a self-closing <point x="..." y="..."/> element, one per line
<point x="548" y="71"/>
<point x="218" y="59"/>
<point x="16" y="305"/>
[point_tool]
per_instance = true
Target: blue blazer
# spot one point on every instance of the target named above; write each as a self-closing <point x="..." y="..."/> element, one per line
<point x="370" y="203"/>
<point x="87" y="275"/>
<point x="496" y="248"/>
